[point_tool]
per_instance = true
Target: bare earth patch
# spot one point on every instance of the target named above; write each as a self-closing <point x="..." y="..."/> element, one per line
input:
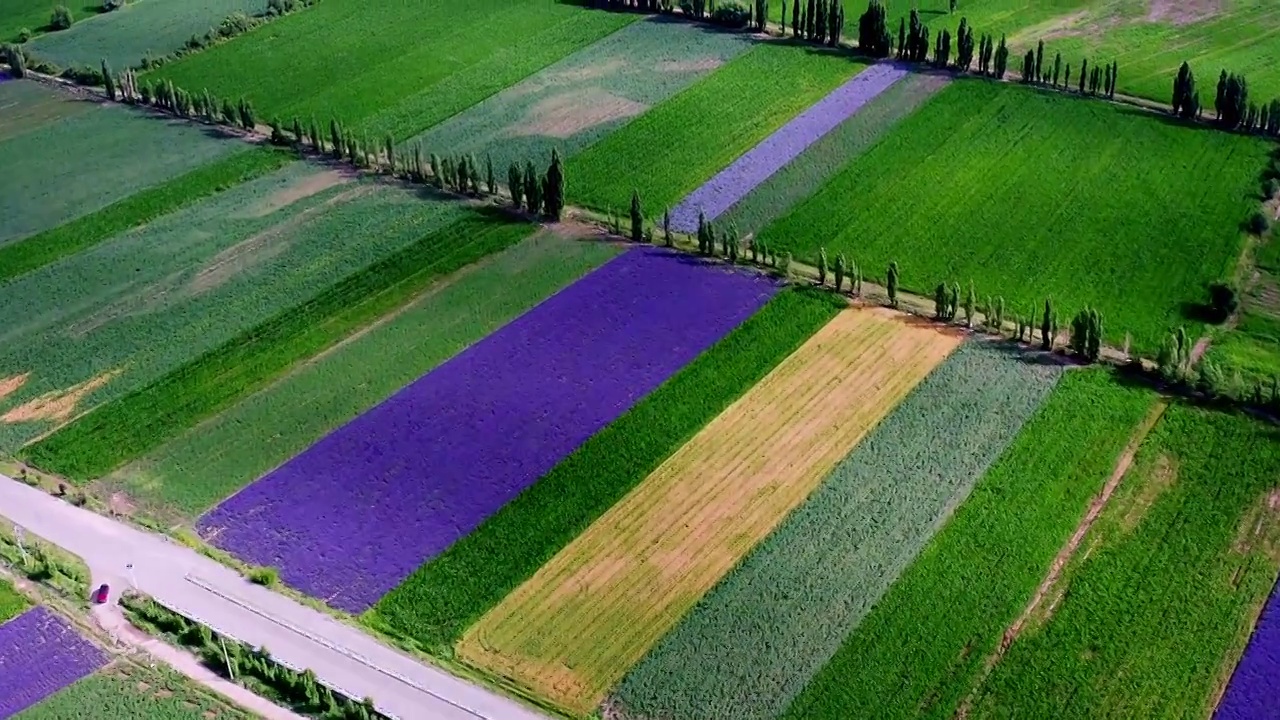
<point x="11" y="385"/>
<point x="567" y="114"/>
<point x="706" y="64"/>
<point x="1260" y="527"/>
<point x="1182" y="12"/>
<point x="301" y="189"/>
<point x="566" y="78"/>
<point x="58" y="405"/>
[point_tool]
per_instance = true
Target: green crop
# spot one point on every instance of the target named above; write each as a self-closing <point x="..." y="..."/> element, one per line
<point x="135" y="694"/>
<point x="12" y="603"/>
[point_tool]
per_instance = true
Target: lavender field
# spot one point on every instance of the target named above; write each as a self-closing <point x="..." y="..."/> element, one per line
<point x="1253" y="693"/>
<point x="754" y="167"/>
<point x="357" y="512"/>
<point x="39" y="655"/>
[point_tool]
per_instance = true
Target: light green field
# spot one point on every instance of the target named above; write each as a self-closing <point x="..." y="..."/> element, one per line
<point x="394" y="67"/>
<point x="71" y="166"/>
<point x="157" y="296"/>
<point x="12" y="603"/>
<point x="125" y="692"/>
<point x="675" y="147"/>
<point x="1034" y="195"/>
<point x="33" y="15"/>
<point x="587" y="95"/>
<point x="201" y="467"/>
<point x="141" y="28"/>
<point x="27" y="106"/>
<point x="1156" y="616"/>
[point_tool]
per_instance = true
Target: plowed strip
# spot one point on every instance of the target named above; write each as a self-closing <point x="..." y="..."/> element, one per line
<point x="572" y="631"/>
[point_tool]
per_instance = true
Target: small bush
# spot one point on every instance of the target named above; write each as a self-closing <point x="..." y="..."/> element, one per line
<point x="61" y="18"/>
<point x="731" y="15"/>
<point x="1259" y="223"/>
<point x="1271" y="187"/>
<point x="267" y="576"/>
<point x="24" y="35"/>
<point x="1223" y="301"/>
<point x="109" y="5"/>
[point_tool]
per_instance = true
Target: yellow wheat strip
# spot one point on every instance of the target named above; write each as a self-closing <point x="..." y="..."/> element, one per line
<point x="572" y="630"/>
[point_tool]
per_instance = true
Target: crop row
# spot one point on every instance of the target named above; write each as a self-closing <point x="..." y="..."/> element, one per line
<point x="1154" y="618"/>
<point x="445" y="596"/>
<point x="122" y="430"/>
<point x="757" y="639"/>
<point x="129" y="693"/>
<point x="919" y="650"/>
<point x="40" y="653"/>
<point x="12" y="603"/>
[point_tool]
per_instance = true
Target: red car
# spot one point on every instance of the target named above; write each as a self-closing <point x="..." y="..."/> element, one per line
<point x="101" y="594"/>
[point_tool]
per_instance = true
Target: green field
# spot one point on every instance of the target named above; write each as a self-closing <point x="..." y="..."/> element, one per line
<point x="33" y="15"/>
<point x="130" y="693"/>
<point x="445" y="596"/>
<point x="1033" y="194"/>
<point x="587" y="95"/>
<point x="752" y="644"/>
<point x="804" y="175"/>
<point x="155" y="297"/>
<point x="1251" y="349"/>
<point x="919" y="650"/>
<point x="197" y="469"/>
<point x="140" y="208"/>
<point x="135" y="424"/>
<point x="392" y="67"/>
<point x="29" y="105"/>
<point x="12" y="603"/>
<point x="1179" y="566"/>
<point x="675" y="147"/>
<point x="72" y="166"/>
<point x="140" y="29"/>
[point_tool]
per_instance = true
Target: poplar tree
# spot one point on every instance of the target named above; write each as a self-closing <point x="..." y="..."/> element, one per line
<point x="108" y="81"/>
<point x="490" y="181"/>
<point x="1046" y="327"/>
<point x="637" y="218"/>
<point x="515" y="183"/>
<point x="1039" y="61"/>
<point x="1084" y="66"/>
<point x="532" y="191"/>
<point x="822" y="266"/>
<point x="970" y="301"/>
<point x="555" y="187"/>
<point x="389" y="146"/>
<point x="892" y="284"/>
<point x="1057" y="68"/>
<point x="839" y="271"/>
<point x="667" y="240"/>
<point x="941" y="302"/>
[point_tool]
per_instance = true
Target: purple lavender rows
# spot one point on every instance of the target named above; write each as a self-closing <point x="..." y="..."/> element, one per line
<point x="356" y="513"/>
<point x="1254" y="691"/>
<point x="39" y="655"/>
<point x="755" y="166"/>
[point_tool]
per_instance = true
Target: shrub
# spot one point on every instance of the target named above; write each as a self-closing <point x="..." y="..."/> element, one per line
<point x="1271" y="187"/>
<point x="264" y="575"/>
<point x="1223" y="301"/>
<point x="731" y="14"/>
<point x="24" y="35"/>
<point x="1259" y="223"/>
<point x="109" y="5"/>
<point x="61" y="18"/>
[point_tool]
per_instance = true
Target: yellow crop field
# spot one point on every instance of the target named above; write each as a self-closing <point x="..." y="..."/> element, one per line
<point x="571" y="631"/>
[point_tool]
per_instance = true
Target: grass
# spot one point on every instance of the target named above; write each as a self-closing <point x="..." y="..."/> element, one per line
<point x="30" y="105"/>
<point x="1251" y="349"/>
<point x="587" y="95"/>
<point x="752" y="644"/>
<point x="63" y="170"/>
<point x="919" y="650"/>
<point x="45" y="248"/>
<point x="141" y="28"/>
<point x="1181" y="562"/>
<point x="198" y="468"/>
<point x="12" y="602"/>
<point x="127" y="691"/>
<point x="442" y="598"/>
<point x="679" y="144"/>
<point x="154" y="298"/>
<point x="391" y="67"/>
<point x="573" y="630"/>
<point x="116" y="433"/>
<point x="1032" y="195"/>
<point x="804" y="175"/>
<point x="33" y="15"/>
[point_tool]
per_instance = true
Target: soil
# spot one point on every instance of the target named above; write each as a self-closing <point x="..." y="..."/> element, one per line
<point x="11" y="385"/>
<point x="1182" y="12"/>
<point x="58" y="405"/>
<point x="567" y="114"/>
<point x="689" y="66"/>
<point x="308" y="186"/>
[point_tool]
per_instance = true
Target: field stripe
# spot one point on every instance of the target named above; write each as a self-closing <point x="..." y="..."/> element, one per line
<point x="1253" y="683"/>
<point x="572" y="630"/>
<point x="34" y="252"/>
<point x="752" y="644"/>
<point x="760" y="162"/>
<point x="918" y="651"/>
<point x="406" y="479"/>
<point x="41" y="653"/>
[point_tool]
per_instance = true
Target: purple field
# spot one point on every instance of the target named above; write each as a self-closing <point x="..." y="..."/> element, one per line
<point x="1254" y="691"/>
<point x="39" y="655"/>
<point x="357" y="512"/>
<point x="754" y="167"/>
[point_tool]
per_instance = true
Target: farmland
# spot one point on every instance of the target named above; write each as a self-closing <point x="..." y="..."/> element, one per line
<point x="28" y="106"/>
<point x="572" y="630"/>
<point x="1154" y="618"/>
<point x="683" y="142"/>
<point x="1026" y="172"/>
<point x="16" y="15"/>
<point x="70" y="166"/>
<point x="492" y="431"/>
<point x="12" y="603"/>
<point x="587" y="95"/>
<point x="441" y="599"/>
<point x="1249" y="693"/>
<point x="138" y="30"/>
<point x="129" y="694"/>
<point x="920" y="648"/>
<point x="403" y="85"/>
<point x="754" y="642"/>
<point x="40" y="653"/>
<point x="154" y="298"/>
<point x="193" y="471"/>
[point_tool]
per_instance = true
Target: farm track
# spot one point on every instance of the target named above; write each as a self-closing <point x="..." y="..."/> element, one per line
<point x="622" y="584"/>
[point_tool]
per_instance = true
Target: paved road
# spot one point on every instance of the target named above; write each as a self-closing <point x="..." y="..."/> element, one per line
<point x="296" y="635"/>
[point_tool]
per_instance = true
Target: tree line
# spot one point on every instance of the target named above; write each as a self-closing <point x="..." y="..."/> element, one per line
<point x="1233" y="109"/>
